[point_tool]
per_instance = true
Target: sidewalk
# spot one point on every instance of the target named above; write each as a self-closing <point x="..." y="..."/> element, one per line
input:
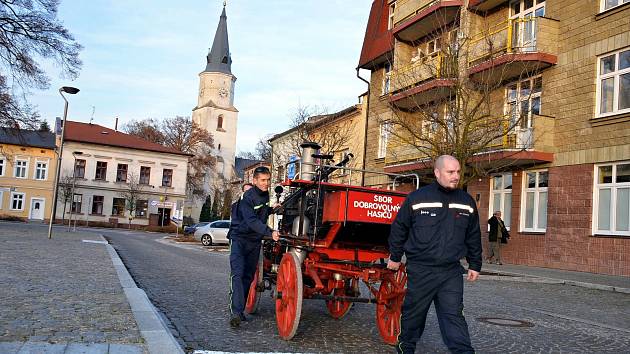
<point x="65" y="295"/>
<point x="588" y="280"/>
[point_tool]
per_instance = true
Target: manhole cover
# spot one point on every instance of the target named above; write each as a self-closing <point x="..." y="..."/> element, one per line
<point x="505" y="322"/>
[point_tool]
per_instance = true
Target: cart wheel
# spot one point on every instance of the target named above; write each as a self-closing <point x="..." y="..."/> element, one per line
<point x="390" y="298"/>
<point x="289" y="303"/>
<point x="253" y="296"/>
<point x="338" y="309"/>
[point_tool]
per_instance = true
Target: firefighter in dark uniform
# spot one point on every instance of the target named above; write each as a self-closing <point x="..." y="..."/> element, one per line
<point x="436" y="226"/>
<point x="245" y="241"/>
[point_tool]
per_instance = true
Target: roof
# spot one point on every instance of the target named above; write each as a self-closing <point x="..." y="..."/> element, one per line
<point x="378" y="39"/>
<point x="240" y="164"/>
<point x="318" y="120"/>
<point x="219" y="58"/>
<point x="30" y="138"/>
<point x="99" y="135"/>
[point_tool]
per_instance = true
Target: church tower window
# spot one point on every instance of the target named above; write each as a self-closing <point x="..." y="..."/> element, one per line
<point x="220" y="122"/>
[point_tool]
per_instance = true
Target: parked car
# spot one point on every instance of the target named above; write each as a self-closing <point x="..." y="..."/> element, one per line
<point x="188" y="230"/>
<point x="215" y="232"/>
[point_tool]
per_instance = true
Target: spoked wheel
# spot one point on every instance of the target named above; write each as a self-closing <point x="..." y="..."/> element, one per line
<point x="254" y="295"/>
<point x="206" y="240"/>
<point x="338" y="309"/>
<point x="390" y="298"/>
<point x="289" y="296"/>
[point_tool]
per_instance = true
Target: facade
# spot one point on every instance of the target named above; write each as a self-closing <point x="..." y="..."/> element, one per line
<point x="340" y="133"/>
<point x="107" y="165"/>
<point x="248" y="171"/>
<point x="215" y="109"/>
<point x="27" y="167"/>
<point x="559" y="77"/>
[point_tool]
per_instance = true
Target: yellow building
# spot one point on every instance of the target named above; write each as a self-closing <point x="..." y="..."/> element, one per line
<point x="27" y="165"/>
<point x="551" y="133"/>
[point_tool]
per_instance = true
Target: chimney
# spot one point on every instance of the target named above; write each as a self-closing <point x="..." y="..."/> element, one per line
<point x="116" y="124"/>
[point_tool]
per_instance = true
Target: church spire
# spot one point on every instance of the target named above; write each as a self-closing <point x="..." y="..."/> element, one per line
<point x="219" y="59"/>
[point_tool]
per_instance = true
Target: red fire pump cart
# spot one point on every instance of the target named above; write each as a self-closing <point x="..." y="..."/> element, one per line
<point x="333" y="237"/>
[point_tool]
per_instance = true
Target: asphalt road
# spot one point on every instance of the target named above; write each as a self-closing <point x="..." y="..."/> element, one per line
<point x="189" y="283"/>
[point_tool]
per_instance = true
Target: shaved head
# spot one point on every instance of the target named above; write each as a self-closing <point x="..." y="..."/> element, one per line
<point x="447" y="171"/>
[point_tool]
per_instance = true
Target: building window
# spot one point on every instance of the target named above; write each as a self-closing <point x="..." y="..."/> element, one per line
<point x="342" y="155"/>
<point x="167" y="177"/>
<point x="142" y="207"/>
<point x="534" y="211"/>
<point x="383" y="139"/>
<point x="97" y="204"/>
<point x="387" y="78"/>
<point x="612" y="199"/>
<point x="145" y="174"/>
<point x="2" y="164"/>
<point x="609" y="4"/>
<point x="17" y="201"/>
<point x="613" y="83"/>
<point x="501" y="197"/>
<point x="390" y="18"/>
<point x="523" y="102"/>
<point x="1" y="198"/>
<point x="220" y="122"/>
<point x="20" y="168"/>
<point x="118" y="207"/>
<point x="79" y="169"/>
<point x="41" y="170"/>
<point x="101" y="170"/>
<point x="77" y="202"/>
<point x="121" y="172"/>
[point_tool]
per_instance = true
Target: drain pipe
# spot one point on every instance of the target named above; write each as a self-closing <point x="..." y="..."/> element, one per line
<point x="367" y="108"/>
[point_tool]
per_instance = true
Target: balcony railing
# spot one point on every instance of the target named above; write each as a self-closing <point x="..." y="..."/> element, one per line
<point x="514" y="36"/>
<point x="436" y="67"/>
<point x="538" y="137"/>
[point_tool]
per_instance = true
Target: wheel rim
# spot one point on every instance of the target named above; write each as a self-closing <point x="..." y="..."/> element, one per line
<point x="289" y="306"/>
<point x="206" y="240"/>
<point x="338" y="309"/>
<point x="253" y="297"/>
<point x="390" y="297"/>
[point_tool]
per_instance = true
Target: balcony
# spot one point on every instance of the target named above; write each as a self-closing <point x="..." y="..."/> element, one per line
<point x="428" y="80"/>
<point x="485" y="5"/>
<point x="512" y="49"/>
<point x="415" y="19"/>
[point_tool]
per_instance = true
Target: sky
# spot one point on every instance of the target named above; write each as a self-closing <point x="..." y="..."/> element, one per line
<point x="141" y="59"/>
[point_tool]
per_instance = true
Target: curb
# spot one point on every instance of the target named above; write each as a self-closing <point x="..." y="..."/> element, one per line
<point x="158" y="337"/>
<point x="582" y="284"/>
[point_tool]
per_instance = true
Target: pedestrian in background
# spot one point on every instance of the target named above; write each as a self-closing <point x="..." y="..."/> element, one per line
<point x="435" y="227"/>
<point x="245" y="241"/>
<point x="497" y="233"/>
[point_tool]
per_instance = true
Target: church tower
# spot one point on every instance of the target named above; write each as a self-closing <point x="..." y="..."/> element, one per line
<point x="215" y="109"/>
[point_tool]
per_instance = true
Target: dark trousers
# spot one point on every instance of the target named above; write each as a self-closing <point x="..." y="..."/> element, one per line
<point x="445" y="288"/>
<point x="243" y="262"/>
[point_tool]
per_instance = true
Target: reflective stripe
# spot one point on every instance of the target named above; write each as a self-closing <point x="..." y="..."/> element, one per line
<point x="260" y="206"/>
<point x="426" y="205"/>
<point x="461" y="206"/>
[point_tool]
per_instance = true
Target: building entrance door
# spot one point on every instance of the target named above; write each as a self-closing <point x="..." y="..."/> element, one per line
<point x="37" y="209"/>
<point x="164" y="216"/>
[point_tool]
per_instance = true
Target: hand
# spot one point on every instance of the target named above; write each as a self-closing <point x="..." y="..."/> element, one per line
<point x="276" y="205"/>
<point x="472" y="275"/>
<point x="393" y="265"/>
<point x="275" y="235"/>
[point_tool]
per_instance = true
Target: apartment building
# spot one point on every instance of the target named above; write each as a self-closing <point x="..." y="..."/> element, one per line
<point x="550" y="83"/>
<point x="102" y="166"/>
<point x="27" y="165"/>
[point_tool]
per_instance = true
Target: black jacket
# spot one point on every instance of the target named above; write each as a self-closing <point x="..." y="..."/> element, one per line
<point x="250" y="221"/>
<point x="437" y="227"/>
<point x="497" y="229"/>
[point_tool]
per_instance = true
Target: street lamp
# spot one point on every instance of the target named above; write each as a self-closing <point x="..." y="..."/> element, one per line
<point x="71" y="91"/>
<point x="74" y="181"/>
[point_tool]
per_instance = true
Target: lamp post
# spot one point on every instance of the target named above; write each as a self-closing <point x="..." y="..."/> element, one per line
<point x="71" y="91"/>
<point x="74" y="181"/>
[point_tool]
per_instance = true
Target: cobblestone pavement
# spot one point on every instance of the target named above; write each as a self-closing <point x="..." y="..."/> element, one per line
<point x="60" y="290"/>
<point x="189" y="285"/>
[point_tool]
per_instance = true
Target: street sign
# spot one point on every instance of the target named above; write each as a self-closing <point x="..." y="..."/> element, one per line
<point x="154" y="203"/>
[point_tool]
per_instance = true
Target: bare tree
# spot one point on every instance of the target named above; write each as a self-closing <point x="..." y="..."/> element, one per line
<point x="465" y="117"/>
<point x="66" y="190"/>
<point x="262" y="150"/>
<point x="29" y="32"/>
<point x="182" y="134"/>
<point x="132" y="193"/>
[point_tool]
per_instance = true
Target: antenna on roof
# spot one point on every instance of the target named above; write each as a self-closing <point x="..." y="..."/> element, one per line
<point x="92" y="118"/>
